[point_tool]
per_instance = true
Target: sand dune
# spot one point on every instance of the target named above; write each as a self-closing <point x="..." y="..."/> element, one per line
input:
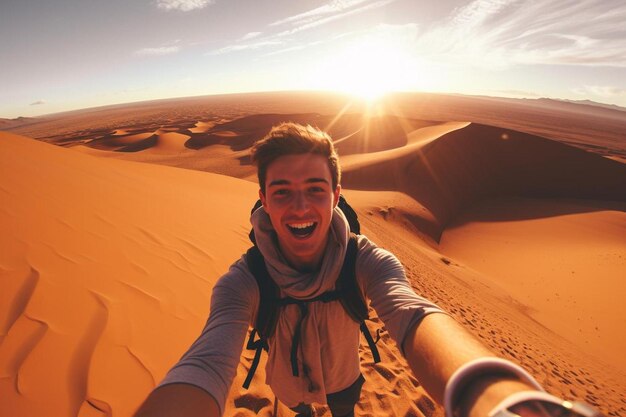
<point x="102" y="262"/>
<point x="477" y="162"/>
<point x="119" y="140"/>
<point x="170" y="142"/>
<point x="201" y="127"/>
<point x="159" y="141"/>
<point x="546" y="252"/>
<point x="107" y="264"/>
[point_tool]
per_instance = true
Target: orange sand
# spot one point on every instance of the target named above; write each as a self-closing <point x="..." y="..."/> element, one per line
<point x="109" y="252"/>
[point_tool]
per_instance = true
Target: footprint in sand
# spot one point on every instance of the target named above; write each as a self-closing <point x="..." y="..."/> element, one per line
<point x="252" y="402"/>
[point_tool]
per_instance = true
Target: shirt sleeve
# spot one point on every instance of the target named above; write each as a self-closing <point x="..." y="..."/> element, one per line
<point x="384" y="282"/>
<point x="211" y="361"/>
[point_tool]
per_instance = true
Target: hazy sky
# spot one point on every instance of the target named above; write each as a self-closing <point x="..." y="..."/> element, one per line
<point x="58" y="55"/>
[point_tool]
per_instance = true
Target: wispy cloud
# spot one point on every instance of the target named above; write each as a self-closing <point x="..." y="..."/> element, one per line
<point x="517" y="93"/>
<point x="285" y="50"/>
<point x="294" y="48"/>
<point x="328" y="13"/>
<point x="331" y="8"/>
<point x="162" y="50"/>
<point x="246" y="46"/>
<point x="37" y="103"/>
<point x="601" y="90"/>
<point x="336" y="9"/>
<point x="184" y="5"/>
<point x="250" y="35"/>
<point x="497" y="33"/>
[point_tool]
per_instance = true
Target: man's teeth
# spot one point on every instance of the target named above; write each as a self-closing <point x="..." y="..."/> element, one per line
<point x="301" y="225"/>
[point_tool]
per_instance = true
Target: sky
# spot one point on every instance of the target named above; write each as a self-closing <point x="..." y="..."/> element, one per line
<point x="59" y="55"/>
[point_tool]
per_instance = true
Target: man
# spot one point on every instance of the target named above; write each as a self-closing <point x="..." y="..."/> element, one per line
<point x="303" y="237"/>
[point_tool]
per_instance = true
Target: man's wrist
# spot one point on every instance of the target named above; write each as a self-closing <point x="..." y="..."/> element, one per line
<point x="474" y="379"/>
<point x="485" y="392"/>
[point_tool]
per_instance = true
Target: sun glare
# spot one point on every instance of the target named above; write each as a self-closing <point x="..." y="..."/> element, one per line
<point x="368" y="68"/>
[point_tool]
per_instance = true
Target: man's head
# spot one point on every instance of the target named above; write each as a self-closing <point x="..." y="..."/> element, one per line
<point x="294" y="139"/>
<point x="299" y="188"/>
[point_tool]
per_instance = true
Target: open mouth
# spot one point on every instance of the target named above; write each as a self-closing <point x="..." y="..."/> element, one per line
<point x="302" y="230"/>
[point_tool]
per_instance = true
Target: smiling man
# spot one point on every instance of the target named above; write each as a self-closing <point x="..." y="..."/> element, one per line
<point x="304" y="242"/>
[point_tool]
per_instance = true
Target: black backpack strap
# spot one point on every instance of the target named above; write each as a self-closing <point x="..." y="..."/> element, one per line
<point x="257" y="345"/>
<point x="267" y="313"/>
<point x="371" y="342"/>
<point x="348" y="211"/>
<point x="295" y="341"/>
<point x="269" y="294"/>
<point x="352" y="298"/>
<point x="304" y="311"/>
<point x="251" y="236"/>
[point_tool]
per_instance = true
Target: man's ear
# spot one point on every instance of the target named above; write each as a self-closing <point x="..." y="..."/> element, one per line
<point x="262" y="197"/>
<point x="336" y="195"/>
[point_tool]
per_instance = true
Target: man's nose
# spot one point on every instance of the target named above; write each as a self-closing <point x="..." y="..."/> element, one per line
<point x="300" y="203"/>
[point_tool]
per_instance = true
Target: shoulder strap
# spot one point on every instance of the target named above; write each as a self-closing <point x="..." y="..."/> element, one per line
<point x="348" y="211"/>
<point x="352" y="298"/>
<point x="267" y="314"/>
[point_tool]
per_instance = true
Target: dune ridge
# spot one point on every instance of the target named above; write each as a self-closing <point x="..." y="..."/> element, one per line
<point x="478" y="162"/>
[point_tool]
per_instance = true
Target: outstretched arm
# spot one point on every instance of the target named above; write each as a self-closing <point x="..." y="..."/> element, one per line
<point x="437" y="346"/>
<point x="434" y="344"/>
<point x="198" y="384"/>
<point x="179" y="400"/>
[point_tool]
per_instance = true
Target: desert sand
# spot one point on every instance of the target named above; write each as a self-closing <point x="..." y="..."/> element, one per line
<point x="116" y="223"/>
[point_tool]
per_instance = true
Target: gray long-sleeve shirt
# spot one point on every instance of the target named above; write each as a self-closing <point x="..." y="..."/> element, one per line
<point x="330" y="338"/>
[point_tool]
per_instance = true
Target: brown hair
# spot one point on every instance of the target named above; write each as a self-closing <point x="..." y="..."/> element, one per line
<point x="294" y="139"/>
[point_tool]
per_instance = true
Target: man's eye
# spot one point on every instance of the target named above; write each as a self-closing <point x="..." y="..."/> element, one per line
<point x="316" y="189"/>
<point x="281" y="192"/>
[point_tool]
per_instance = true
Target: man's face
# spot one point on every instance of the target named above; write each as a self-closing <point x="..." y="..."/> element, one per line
<point x="299" y="198"/>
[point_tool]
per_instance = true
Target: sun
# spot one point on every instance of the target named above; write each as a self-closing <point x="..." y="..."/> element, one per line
<point x="368" y="68"/>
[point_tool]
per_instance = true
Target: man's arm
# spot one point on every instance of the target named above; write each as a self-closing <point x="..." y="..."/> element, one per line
<point x="198" y="384"/>
<point x="437" y="346"/>
<point x="179" y="400"/>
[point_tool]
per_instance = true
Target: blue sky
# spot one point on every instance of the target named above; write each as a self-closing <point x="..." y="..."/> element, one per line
<point x="68" y="54"/>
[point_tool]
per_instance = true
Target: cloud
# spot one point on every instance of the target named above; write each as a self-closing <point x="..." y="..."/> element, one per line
<point x="294" y="48"/>
<point x="517" y="93"/>
<point x="601" y="90"/>
<point x="332" y="7"/>
<point x="499" y="33"/>
<point x="38" y="103"/>
<point x="162" y="50"/>
<point x="250" y="35"/>
<point x="242" y="47"/>
<point x="285" y="50"/>
<point x="334" y="10"/>
<point x="478" y="11"/>
<point x="184" y="5"/>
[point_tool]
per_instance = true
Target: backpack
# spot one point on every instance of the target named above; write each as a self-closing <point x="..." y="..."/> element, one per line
<point x="346" y="291"/>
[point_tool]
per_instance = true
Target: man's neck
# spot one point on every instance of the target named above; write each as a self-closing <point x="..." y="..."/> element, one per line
<point x="304" y="264"/>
